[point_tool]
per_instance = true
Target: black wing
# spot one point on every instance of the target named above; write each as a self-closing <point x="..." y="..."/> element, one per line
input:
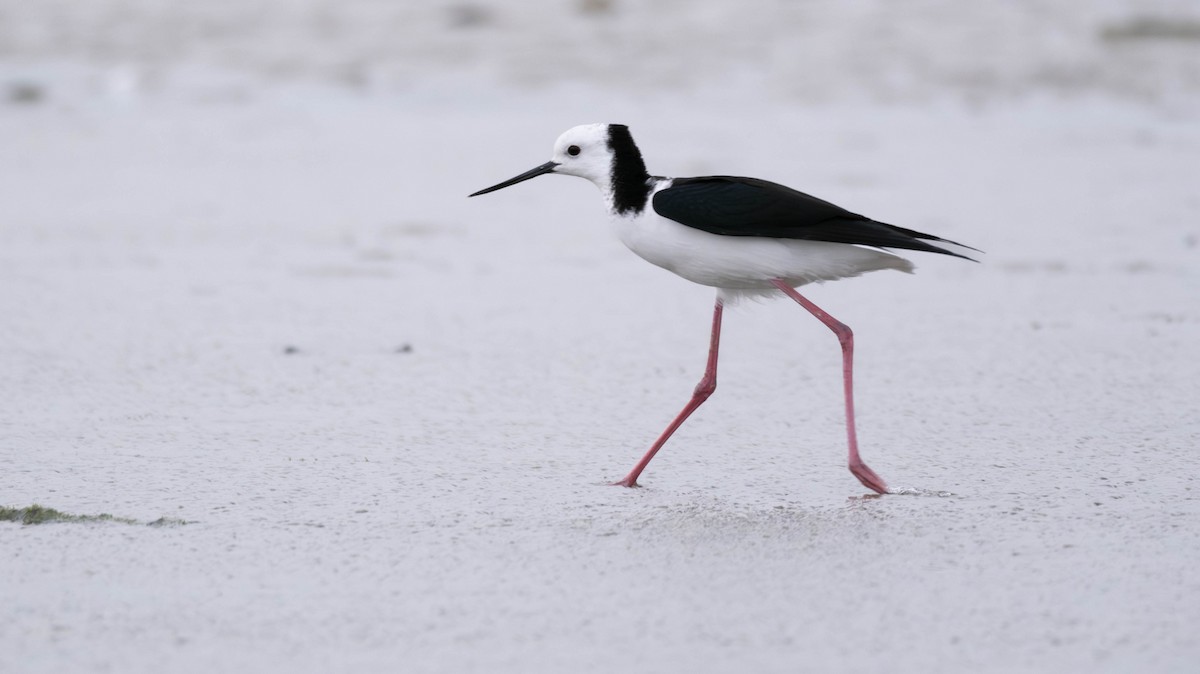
<point x="733" y="206"/>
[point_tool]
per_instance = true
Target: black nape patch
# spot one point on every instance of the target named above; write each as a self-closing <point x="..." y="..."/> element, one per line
<point x="630" y="181"/>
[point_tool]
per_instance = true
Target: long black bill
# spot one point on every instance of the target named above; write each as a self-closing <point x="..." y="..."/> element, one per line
<point x="548" y="167"/>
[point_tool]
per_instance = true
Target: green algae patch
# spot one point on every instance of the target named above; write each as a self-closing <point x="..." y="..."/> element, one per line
<point x="36" y="514"/>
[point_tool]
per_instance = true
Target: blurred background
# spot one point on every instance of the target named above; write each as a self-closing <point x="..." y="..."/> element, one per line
<point x="799" y="50"/>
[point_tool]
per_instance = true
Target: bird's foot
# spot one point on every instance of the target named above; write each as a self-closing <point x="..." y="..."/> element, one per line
<point x="868" y="477"/>
<point x="627" y="481"/>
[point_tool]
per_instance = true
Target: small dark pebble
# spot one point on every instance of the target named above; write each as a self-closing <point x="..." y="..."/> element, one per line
<point x="25" y="93"/>
<point x="469" y="16"/>
<point x="596" y="7"/>
<point x="404" y="348"/>
<point x="291" y="350"/>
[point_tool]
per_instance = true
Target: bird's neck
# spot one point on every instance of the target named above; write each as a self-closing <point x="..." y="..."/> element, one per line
<point x="627" y="199"/>
<point x="628" y="191"/>
<point x="629" y="185"/>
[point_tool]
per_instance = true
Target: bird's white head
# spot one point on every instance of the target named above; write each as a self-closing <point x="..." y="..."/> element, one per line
<point x="584" y="151"/>
<point x="604" y="154"/>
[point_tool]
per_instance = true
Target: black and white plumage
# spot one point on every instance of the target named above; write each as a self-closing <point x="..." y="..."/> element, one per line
<point x="733" y="206"/>
<point x="739" y="235"/>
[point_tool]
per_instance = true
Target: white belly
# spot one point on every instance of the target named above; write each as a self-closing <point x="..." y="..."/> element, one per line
<point x="746" y="262"/>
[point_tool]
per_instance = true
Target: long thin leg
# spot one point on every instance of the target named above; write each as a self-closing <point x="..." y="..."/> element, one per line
<point x="708" y="384"/>
<point x="864" y="474"/>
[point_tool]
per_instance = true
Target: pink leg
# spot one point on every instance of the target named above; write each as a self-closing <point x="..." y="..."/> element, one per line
<point x="704" y="389"/>
<point x="864" y="474"/>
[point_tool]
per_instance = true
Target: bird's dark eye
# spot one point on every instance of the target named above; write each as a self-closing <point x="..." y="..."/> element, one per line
<point x="573" y="150"/>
